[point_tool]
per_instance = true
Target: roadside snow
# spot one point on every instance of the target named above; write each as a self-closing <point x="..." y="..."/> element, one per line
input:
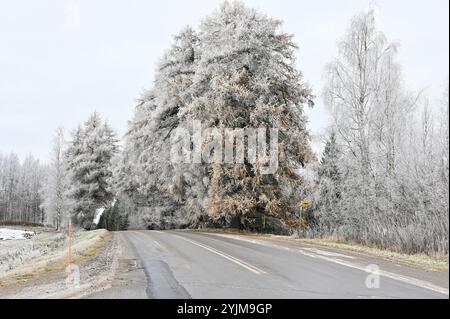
<point x="98" y="214"/>
<point x="11" y="234"/>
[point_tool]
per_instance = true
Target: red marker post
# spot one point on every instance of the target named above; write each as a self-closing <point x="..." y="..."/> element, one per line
<point x="69" y="256"/>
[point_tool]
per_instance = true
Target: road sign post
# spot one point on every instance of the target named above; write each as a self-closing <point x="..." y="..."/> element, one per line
<point x="303" y="205"/>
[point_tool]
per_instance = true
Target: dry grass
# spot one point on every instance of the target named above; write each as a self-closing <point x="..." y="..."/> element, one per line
<point x="88" y="245"/>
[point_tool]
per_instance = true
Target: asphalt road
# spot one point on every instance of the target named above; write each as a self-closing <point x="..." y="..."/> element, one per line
<point x="183" y="265"/>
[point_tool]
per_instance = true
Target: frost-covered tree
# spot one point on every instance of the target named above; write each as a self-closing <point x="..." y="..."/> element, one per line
<point x="238" y="72"/>
<point x="89" y="158"/>
<point x="389" y="173"/>
<point x="20" y="189"/>
<point x="423" y="182"/>
<point x="443" y="146"/>
<point x="352" y="93"/>
<point x="55" y="191"/>
<point x="330" y="181"/>
<point x="9" y="178"/>
<point x="114" y="218"/>
<point x="146" y="172"/>
<point x="247" y="78"/>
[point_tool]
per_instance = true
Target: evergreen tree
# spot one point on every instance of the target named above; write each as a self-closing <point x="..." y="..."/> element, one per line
<point x="239" y="72"/>
<point x="330" y="185"/>
<point x="247" y="78"/>
<point x="113" y="218"/>
<point x="144" y="172"/>
<point x="89" y="162"/>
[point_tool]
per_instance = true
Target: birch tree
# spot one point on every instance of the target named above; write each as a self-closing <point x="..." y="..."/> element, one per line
<point x="390" y="182"/>
<point x="20" y="189"/>
<point x="55" y="192"/>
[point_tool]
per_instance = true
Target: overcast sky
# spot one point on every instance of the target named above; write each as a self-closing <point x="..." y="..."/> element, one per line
<point x="61" y="60"/>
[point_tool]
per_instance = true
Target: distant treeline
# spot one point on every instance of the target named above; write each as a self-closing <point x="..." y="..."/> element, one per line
<point x="20" y="190"/>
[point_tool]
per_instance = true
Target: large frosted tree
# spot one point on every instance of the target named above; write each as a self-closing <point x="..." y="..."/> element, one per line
<point x="238" y="72"/>
<point x="247" y="78"/>
<point x="89" y="163"/>
<point x="145" y="172"/>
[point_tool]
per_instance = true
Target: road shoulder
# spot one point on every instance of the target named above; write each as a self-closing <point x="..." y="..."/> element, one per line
<point x="94" y="255"/>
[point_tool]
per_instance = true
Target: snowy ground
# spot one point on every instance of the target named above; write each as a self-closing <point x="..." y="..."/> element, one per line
<point x="13" y="234"/>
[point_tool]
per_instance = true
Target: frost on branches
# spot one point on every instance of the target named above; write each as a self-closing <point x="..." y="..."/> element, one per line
<point x="89" y="158"/>
<point x="236" y="72"/>
<point x="393" y="170"/>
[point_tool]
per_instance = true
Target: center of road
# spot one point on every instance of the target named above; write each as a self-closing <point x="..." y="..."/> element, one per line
<point x="235" y="260"/>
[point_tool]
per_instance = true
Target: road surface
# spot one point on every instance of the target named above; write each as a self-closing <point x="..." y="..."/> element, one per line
<point x="185" y="264"/>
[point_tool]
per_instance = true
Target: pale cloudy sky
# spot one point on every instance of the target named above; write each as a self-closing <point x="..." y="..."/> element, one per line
<point x="61" y="60"/>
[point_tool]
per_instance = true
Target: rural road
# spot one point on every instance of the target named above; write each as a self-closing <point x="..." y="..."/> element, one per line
<point x="185" y="264"/>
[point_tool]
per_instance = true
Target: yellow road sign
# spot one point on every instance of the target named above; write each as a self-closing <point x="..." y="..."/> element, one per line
<point x="305" y="203"/>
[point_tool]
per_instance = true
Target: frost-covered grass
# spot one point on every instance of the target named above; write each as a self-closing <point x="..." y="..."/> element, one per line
<point x="16" y="253"/>
<point x="46" y="251"/>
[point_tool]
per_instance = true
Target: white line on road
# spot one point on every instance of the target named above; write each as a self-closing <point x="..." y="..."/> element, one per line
<point x="238" y="261"/>
<point x="405" y="279"/>
<point x="328" y="253"/>
<point x="159" y="245"/>
<point x="320" y="255"/>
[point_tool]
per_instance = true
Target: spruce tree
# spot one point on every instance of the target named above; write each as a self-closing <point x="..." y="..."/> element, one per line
<point x="144" y="171"/>
<point x="237" y="72"/>
<point x="247" y="78"/>
<point x="330" y="180"/>
<point x="89" y="159"/>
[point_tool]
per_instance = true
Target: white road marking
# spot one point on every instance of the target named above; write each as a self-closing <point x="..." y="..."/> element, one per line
<point x="237" y="261"/>
<point x="159" y="245"/>
<point x="328" y="253"/>
<point x="372" y="297"/>
<point x="253" y="241"/>
<point x="405" y="279"/>
<point x="308" y="252"/>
